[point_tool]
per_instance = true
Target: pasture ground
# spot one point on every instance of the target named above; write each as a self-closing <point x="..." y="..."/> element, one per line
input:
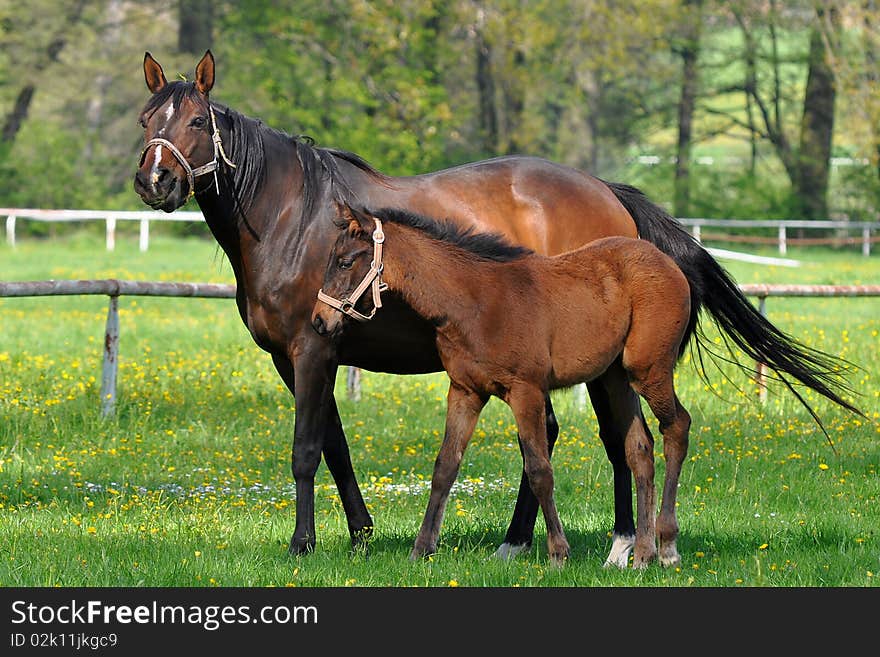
<point x="190" y="483"/>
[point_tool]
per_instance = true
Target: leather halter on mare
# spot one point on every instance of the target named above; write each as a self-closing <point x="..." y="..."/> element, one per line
<point x="192" y="174"/>
<point x="373" y="278"/>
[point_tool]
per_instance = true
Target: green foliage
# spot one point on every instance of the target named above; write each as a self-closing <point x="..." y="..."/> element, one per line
<point x="584" y="83"/>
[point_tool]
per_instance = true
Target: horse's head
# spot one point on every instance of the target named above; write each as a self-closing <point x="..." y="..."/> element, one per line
<point x="178" y="128"/>
<point x="355" y="266"/>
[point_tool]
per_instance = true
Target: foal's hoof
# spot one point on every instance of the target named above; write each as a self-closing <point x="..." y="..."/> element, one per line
<point x="669" y="557"/>
<point x="301" y="545"/>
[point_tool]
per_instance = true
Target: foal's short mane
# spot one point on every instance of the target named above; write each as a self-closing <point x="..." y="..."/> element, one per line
<point x="247" y="151"/>
<point x="486" y="246"/>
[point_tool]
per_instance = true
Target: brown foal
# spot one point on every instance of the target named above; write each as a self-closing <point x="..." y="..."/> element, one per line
<point x="515" y="324"/>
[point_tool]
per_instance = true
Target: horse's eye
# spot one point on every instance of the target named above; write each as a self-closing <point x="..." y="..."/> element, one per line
<point x="143" y="122"/>
<point x="198" y="122"/>
<point x="345" y="263"/>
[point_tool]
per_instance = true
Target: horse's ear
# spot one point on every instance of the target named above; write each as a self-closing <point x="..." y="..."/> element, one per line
<point x="205" y="73"/>
<point x="153" y="74"/>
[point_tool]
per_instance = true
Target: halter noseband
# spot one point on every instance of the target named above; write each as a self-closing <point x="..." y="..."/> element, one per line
<point x="192" y="174"/>
<point x="373" y="278"/>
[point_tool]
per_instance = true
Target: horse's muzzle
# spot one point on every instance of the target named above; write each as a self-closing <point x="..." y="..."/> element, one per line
<point x="329" y="326"/>
<point x="161" y="190"/>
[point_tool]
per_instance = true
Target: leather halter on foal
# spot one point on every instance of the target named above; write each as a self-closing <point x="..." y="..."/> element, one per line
<point x="373" y="278"/>
<point x="192" y="174"/>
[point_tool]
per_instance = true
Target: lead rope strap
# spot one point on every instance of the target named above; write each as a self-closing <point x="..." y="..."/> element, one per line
<point x="218" y="149"/>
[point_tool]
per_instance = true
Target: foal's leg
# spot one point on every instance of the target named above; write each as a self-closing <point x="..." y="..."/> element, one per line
<point x="528" y="409"/>
<point x="522" y="524"/>
<point x="462" y="412"/>
<point x="675" y="424"/>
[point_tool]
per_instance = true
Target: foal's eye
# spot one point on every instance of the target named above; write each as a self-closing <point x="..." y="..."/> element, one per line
<point x="198" y="122"/>
<point x="345" y="263"/>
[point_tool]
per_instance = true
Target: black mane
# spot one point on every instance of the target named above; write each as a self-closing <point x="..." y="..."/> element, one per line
<point x="246" y="149"/>
<point x="487" y="246"/>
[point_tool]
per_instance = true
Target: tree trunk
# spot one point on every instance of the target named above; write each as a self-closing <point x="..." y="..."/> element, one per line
<point x="817" y="125"/>
<point x="15" y="119"/>
<point x="690" y="49"/>
<point x="514" y="103"/>
<point x="488" y="117"/>
<point x="195" y="32"/>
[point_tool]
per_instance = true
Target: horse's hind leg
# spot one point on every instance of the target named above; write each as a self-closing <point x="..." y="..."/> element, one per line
<point x="462" y="412"/>
<point x="655" y="384"/>
<point x="528" y="409"/>
<point x="522" y="525"/>
<point x="619" y="413"/>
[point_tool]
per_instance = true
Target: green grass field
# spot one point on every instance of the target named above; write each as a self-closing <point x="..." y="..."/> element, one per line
<point x="190" y="484"/>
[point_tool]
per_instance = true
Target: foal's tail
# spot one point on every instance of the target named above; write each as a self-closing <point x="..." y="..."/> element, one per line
<point x="715" y="290"/>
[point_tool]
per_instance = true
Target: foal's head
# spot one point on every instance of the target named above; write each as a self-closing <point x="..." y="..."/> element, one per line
<point x="178" y="129"/>
<point x="349" y="266"/>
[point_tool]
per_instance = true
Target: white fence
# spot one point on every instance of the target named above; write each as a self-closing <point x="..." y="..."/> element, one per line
<point x="867" y="229"/>
<point x="109" y="217"/>
<point x="116" y="288"/>
<point x="782" y="226"/>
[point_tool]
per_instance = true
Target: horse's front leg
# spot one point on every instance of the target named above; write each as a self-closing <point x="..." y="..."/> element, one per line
<point x="315" y="375"/>
<point x="462" y="412"/>
<point x="335" y="449"/>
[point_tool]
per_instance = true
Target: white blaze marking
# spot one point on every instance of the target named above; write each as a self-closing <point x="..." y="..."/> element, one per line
<point x="154" y="171"/>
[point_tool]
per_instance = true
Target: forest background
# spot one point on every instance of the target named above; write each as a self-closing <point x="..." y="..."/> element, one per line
<point x="743" y="109"/>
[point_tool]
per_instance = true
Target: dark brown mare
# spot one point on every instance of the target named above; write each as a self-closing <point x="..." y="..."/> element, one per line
<point x="269" y="200"/>
<point x="516" y="325"/>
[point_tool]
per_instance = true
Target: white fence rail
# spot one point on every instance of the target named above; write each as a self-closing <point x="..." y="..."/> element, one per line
<point x="782" y="226"/>
<point x="115" y="288"/>
<point x="867" y="229"/>
<point x="109" y="217"/>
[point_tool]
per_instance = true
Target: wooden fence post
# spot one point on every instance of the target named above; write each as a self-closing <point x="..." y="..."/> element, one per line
<point x="353" y="381"/>
<point x="762" y="368"/>
<point x="111" y="359"/>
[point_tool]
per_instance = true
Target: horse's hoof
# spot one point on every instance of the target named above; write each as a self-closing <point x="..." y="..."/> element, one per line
<point x="621" y="548"/>
<point x="301" y="545"/>
<point x="507" y="551"/>
<point x="360" y="539"/>
<point x="422" y="552"/>
<point x="670" y="558"/>
<point x="558" y="560"/>
<point x="640" y="561"/>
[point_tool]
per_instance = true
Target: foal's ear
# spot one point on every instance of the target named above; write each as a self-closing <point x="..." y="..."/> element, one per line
<point x="348" y="218"/>
<point x="153" y="74"/>
<point x="205" y="73"/>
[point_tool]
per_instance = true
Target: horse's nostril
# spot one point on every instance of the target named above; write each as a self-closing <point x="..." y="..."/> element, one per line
<point x="319" y="325"/>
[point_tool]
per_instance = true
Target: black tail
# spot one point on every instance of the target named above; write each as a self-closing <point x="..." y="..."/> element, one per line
<point x="715" y="290"/>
